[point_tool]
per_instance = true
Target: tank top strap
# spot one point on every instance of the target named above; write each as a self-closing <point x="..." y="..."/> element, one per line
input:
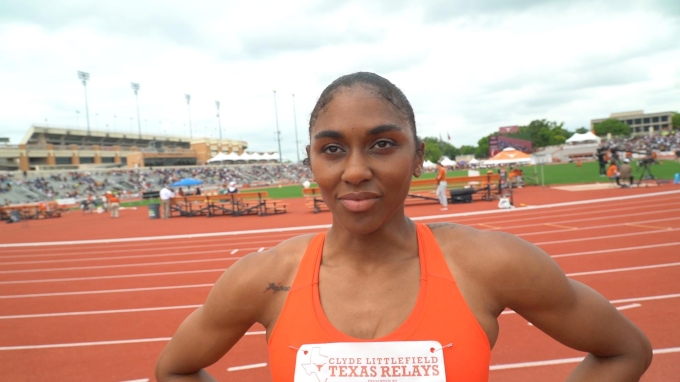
<point x="310" y="261"/>
<point x="434" y="261"/>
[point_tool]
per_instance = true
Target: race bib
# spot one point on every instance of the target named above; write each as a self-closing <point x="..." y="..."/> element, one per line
<point x="402" y="361"/>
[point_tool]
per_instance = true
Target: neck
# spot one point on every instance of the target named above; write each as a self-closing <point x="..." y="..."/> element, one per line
<point x="393" y="241"/>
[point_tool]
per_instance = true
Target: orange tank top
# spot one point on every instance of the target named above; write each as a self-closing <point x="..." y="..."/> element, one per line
<point x="440" y="314"/>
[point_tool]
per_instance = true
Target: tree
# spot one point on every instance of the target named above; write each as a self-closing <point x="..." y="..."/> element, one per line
<point x="582" y="130"/>
<point x="482" y="150"/>
<point x="676" y="121"/>
<point x="612" y="126"/>
<point x="546" y="133"/>
<point x="432" y="150"/>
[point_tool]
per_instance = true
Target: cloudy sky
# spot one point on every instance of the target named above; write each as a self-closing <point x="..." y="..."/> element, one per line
<point x="468" y="67"/>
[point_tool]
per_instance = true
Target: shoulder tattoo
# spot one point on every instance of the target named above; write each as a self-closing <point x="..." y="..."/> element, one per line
<point x="276" y="288"/>
<point x="442" y="225"/>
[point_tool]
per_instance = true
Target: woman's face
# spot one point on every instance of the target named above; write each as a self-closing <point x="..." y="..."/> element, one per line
<point x="362" y="155"/>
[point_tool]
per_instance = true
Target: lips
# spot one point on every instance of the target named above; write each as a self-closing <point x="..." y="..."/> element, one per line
<point x="359" y="201"/>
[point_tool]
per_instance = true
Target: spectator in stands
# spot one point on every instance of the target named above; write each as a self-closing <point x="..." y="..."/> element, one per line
<point x="441" y="185"/>
<point x="198" y="191"/>
<point x="166" y="194"/>
<point x="114" y="203"/>
<point x="180" y="192"/>
<point x="232" y="188"/>
<point x="625" y="173"/>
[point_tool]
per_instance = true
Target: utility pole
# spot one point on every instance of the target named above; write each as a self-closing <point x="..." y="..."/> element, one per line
<point x="84" y="77"/>
<point x="135" y="87"/>
<point x="297" y="142"/>
<point x="278" y="132"/>
<point x="219" y="122"/>
<point x="188" y="98"/>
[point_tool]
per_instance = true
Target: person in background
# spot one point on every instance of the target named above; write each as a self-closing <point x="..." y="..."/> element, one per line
<point x="113" y="202"/>
<point x="166" y="194"/>
<point x="441" y="185"/>
<point x="180" y="192"/>
<point x="232" y="188"/>
<point x="625" y="173"/>
<point x="613" y="172"/>
<point x="198" y="191"/>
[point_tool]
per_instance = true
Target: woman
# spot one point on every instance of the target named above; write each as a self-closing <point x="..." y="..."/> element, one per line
<point x="377" y="286"/>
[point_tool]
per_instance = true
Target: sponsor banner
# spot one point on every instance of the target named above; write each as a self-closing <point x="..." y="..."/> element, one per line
<point x="399" y="361"/>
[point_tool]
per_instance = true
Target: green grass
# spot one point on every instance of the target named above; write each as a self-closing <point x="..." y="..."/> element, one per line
<point x="589" y="172"/>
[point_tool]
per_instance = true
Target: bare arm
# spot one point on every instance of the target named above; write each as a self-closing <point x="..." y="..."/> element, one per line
<point x="208" y="333"/>
<point x="574" y="314"/>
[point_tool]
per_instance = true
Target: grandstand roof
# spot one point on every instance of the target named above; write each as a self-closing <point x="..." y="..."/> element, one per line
<point x="37" y="134"/>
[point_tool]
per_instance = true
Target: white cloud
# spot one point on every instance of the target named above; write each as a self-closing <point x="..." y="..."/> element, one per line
<point x="467" y="69"/>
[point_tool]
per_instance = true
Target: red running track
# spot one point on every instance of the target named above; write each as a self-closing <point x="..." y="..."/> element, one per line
<point x="101" y="301"/>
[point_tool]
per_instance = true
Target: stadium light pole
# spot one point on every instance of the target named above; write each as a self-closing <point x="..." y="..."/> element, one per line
<point x="278" y="132"/>
<point x="188" y="98"/>
<point x="84" y="77"/>
<point x="297" y="142"/>
<point x="135" y="88"/>
<point x="219" y="122"/>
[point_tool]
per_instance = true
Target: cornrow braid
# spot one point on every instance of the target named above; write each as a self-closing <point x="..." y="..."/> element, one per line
<point x="383" y="87"/>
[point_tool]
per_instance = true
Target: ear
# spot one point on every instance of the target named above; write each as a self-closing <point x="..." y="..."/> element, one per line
<point x="420" y="157"/>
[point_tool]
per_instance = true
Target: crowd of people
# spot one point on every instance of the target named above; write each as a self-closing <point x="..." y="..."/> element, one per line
<point x="130" y="182"/>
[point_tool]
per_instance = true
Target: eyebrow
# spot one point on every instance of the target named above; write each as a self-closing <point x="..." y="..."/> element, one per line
<point x="374" y="131"/>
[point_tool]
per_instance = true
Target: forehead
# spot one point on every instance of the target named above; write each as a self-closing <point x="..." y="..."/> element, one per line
<point x="358" y="106"/>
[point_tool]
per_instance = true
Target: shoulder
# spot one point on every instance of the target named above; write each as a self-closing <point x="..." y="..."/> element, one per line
<point x="246" y="282"/>
<point x="505" y="268"/>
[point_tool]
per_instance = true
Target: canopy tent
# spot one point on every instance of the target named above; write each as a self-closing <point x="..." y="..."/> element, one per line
<point x="507" y="156"/>
<point x="220" y="157"/>
<point x="446" y="162"/>
<point x="428" y="164"/>
<point x="474" y="161"/>
<point x="186" y="182"/>
<point x="585" y="137"/>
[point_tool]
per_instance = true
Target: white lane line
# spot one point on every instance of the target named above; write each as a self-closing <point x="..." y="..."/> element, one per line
<point x="261" y="249"/>
<point x="35" y="281"/>
<point x="234" y="251"/>
<point x="106" y="291"/>
<point x="87" y="259"/>
<point x="324" y="226"/>
<point x="90" y="312"/>
<point x="605" y="237"/>
<point x="630" y="306"/>
<point x="586" y="228"/>
<point x="655" y="266"/>
<point x="133" y="275"/>
<point x="99" y="343"/>
<point x="562" y="361"/>
<point x="625" y="300"/>
<point x="647" y="298"/>
<point x="614" y="270"/>
<point x="614" y="250"/>
<point x="119" y="265"/>
<point x="246" y="367"/>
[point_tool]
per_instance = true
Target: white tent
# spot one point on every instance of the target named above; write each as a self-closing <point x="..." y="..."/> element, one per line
<point x="220" y="157"/>
<point x="585" y="137"/>
<point x="446" y="162"/>
<point x="232" y="156"/>
<point x="428" y="164"/>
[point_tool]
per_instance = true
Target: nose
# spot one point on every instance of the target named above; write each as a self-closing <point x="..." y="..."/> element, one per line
<point x="356" y="169"/>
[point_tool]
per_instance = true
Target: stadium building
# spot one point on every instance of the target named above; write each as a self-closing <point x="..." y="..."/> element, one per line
<point x="49" y="148"/>
<point x="641" y="123"/>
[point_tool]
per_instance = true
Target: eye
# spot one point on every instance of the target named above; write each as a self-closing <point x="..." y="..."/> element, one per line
<point x="331" y="149"/>
<point x="384" y="144"/>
